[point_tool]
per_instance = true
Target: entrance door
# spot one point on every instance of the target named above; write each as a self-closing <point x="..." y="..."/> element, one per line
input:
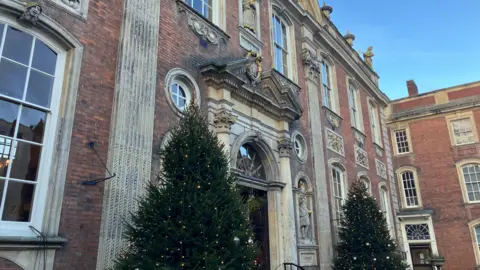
<point x="257" y="201"/>
<point x="420" y="255"/>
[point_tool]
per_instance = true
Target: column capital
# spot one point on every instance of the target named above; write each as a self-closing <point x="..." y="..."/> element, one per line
<point x="311" y="63"/>
<point x="224" y="120"/>
<point x="284" y="148"/>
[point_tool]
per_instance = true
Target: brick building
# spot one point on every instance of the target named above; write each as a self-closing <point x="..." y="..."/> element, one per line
<point x="437" y="161"/>
<point x="283" y="89"/>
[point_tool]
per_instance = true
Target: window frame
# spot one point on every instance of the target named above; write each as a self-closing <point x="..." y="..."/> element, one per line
<point x="375" y="125"/>
<point x="187" y="91"/>
<point x="472" y="225"/>
<point x="384" y="195"/>
<point x="13" y="228"/>
<point x="354" y="96"/>
<point x="286" y="49"/>
<point x="395" y="141"/>
<point x="461" y="177"/>
<point x="340" y="170"/>
<point x="187" y="81"/>
<point x="298" y="137"/>
<point x="459" y="116"/>
<point x="215" y="13"/>
<point x="399" y="173"/>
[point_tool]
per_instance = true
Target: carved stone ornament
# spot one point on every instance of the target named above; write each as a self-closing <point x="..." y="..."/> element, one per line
<point x="32" y="12"/>
<point x="361" y="157"/>
<point x="333" y="119"/>
<point x="75" y="4"/>
<point x="378" y="150"/>
<point x="359" y="137"/>
<point x="334" y="142"/>
<point x="309" y="60"/>
<point x="201" y="26"/>
<point x="224" y="120"/>
<point x="284" y="148"/>
<point x="254" y="70"/>
<point x="381" y="169"/>
<point x="249" y="15"/>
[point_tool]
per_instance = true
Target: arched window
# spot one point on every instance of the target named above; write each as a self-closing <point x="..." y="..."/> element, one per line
<point x="31" y="77"/>
<point x="474" y="227"/>
<point x="250" y="163"/>
<point x="338" y="191"/>
<point x="180" y="89"/>
<point x="355" y="105"/>
<point x="366" y="183"/>
<point x="409" y="189"/>
<point x="385" y="207"/>
<point x="281" y="45"/>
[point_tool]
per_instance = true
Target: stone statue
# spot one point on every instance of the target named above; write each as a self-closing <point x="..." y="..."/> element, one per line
<point x="254" y="70"/>
<point x="304" y="214"/>
<point x="249" y="15"/>
<point x="32" y="12"/>
<point x="367" y="57"/>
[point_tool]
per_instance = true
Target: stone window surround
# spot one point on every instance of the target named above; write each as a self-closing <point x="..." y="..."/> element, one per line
<point x="459" y="165"/>
<point x="296" y="135"/>
<point x="458" y="116"/>
<point x="363" y="176"/>
<point x="63" y="119"/>
<point x="337" y="164"/>
<point x="383" y="187"/>
<point x="351" y="82"/>
<point x="280" y="11"/>
<point x="475" y="242"/>
<point x="328" y="60"/>
<point x="185" y="79"/>
<point x="414" y="171"/>
<point x="396" y="128"/>
<point x="373" y="112"/>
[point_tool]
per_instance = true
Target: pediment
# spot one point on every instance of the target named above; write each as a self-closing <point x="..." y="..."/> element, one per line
<point x="270" y="92"/>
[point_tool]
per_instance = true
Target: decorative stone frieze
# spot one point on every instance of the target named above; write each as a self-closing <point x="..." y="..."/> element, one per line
<point x="359" y="137"/>
<point x="378" y="150"/>
<point x="274" y="94"/>
<point x="205" y="29"/>
<point x="311" y="63"/>
<point x="381" y="169"/>
<point x="223" y="121"/>
<point x="284" y="148"/>
<point x="334" y="142"/>
<point x="361" y="157"/>
<point x="333" y="119"/>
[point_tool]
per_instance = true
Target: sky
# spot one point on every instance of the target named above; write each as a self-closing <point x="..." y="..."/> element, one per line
<point x="436" y="43"/>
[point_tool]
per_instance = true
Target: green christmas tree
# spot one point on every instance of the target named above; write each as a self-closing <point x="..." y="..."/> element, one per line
<point x="196" y="218"/>
<point x="365" y="242"/>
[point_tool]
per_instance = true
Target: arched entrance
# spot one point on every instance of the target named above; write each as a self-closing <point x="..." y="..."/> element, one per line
<point x="253" y="185"/>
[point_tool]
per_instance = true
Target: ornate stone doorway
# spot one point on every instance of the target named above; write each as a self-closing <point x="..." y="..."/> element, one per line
<point x="253" y="188"/>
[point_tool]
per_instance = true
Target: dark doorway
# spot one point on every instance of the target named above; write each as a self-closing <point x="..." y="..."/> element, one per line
<point x="420" y="255"/>
<point x="258" y="212"/>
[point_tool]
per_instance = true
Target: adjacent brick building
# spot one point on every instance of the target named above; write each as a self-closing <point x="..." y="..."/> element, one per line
<point x="90" y="81"/>
<point x="437" y="161"/>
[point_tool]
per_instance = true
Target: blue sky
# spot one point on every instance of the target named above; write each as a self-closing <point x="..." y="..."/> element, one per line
<point x="434" y="42"/>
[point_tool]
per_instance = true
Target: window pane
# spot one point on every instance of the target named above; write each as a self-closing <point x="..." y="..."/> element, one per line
<point x="2" y="26"/>
<point x="8" y="117"/>
<point x="279" y="59"/>
<point x="12" y="78"/>
<point x="197" y="5"/>
<point x="6" y="146"/>
<point x="32" y="125"/>
<point x="18" y="203"/>
<point x="18" y="45"/>
<point x="26" y="161"/>
<point x="284" y="37"/>
<point x="284" y="60"/>
<point x="39" y="88"/>
<point x="278" y="31"/>
<point x="44" y="58"/>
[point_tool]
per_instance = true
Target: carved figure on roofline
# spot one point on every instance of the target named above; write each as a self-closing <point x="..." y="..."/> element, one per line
<point x="367" y="57"/>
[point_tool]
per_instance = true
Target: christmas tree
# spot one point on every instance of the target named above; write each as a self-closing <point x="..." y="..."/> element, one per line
<point x="365" y="242"/>
<point x="194" y="219"/>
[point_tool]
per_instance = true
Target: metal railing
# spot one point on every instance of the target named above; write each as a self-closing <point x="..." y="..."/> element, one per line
<point x="292" y="266"/>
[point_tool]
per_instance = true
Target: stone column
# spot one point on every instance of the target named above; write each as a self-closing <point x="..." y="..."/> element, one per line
<point x="274" y="196"/>
<point x="287" y="211"/>
<point x="131" y="132"/>
<point x="223" y="121"/>
<point x="322" y="211"/>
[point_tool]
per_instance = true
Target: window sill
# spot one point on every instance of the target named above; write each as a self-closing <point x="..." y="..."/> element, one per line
<point x="403" y="154"/>
<point x="201" y="26"/>
<point x="18" y="242"/>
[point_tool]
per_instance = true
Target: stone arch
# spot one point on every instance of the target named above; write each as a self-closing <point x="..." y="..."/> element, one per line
<point x="363" y="176"/>
<point x="303" y="176"/>
<point x="7" y="263"/>
<point x="337" y="162"/>
<point x="282" y="12"/>
<point x="268" y="158"/>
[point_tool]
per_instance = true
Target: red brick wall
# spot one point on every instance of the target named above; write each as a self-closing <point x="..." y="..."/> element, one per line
<point x="440" y="187"/>
<point x="8" y="265"/>
<point x="468" y="92"/>
<point x="414" y="103"/>
<point x="82" y="205"/>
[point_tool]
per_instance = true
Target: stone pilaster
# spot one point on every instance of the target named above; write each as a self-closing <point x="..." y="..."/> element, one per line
<point x="287" y="210"/>
<point x="131" y="133"/>
<point x="223" y="121"/>
<point x="322" y="212"/>
<point x="275" y="224"/>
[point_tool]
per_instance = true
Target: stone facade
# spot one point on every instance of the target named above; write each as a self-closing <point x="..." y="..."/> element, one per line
<point x="127" y="68"/>
<point x="430" y="151"/>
